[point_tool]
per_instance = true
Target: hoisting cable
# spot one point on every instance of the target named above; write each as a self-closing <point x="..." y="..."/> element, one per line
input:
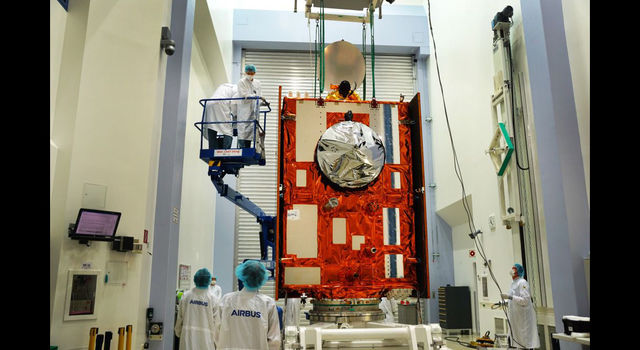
<point x="458" y="172"/>
<point x="315" y="68"/>
<point x="364" y="54"/>
<point x="373" y="53"/>
<point x="321" y="53"/>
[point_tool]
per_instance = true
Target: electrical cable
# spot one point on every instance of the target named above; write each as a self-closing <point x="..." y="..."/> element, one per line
<point x="513" y="111"/>
<point x="458" y="172"/>
<point x="455" y="156"/>
<point x="456" y="339"/>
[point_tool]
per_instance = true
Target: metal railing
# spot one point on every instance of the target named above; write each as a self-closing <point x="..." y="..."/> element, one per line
<point x="258" y="129"/>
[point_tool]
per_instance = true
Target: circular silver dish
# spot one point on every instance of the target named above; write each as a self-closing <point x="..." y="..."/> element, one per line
<point x="350" y="154"/>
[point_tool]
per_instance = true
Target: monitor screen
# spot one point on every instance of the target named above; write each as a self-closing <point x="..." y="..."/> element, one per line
<point x="96" y="223"/>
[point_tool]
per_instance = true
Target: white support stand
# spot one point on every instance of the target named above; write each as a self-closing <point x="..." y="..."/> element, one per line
<point x="500" y="148"/>
<point x="374" y="335"/>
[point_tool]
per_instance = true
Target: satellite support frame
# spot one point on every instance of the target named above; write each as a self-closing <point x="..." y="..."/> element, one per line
<point x="343" y="5"/>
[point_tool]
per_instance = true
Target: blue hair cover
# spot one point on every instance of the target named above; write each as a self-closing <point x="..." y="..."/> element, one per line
<point x="252" y="274"/>
<point x="249" y="68"/>
<point x="202" y="278"/>
<point x="519" y="269"/>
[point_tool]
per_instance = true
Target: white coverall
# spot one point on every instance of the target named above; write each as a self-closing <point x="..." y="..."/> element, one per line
<point x="522" y="316"/>
<point x="216" y="290"/>
<point x="387" y="308"/>
<point x="195" y="322"/>
<point x="219" y="111"/>
<point x="292" y="312"/>
<point x="248" y="320"/>
<point x="247" y="109"/>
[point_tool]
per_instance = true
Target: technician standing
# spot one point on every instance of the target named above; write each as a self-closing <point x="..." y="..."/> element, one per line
<point x="218" y="113"/>
<point x="248" y="110"/>
<point x="195" y="322"/>
<point x="343" y="92"/>
<point x="522" y="316"/>
<point x="248" y="319"/>
<point x="215" y="289"/>
<point x="387" y="307"/>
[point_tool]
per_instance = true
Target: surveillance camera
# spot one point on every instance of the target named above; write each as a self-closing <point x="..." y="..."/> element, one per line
<point x="170" y="48"/>
<point x="166" y="43"/>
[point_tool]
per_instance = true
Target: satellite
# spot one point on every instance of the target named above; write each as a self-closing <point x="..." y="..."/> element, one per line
<point x="351" y="221"/>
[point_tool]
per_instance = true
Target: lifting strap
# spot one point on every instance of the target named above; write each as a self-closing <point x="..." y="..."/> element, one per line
<point x="315" y="54"/>
<point x="321" y="51"/>
<point x="364" y="54"/>
<point x="373" y="53"/>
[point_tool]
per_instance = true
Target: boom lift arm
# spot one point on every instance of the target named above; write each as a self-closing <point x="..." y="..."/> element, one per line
<point x="229" y="161"/>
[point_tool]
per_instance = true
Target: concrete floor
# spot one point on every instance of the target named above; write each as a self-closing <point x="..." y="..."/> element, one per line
<point x="450" y="341"/>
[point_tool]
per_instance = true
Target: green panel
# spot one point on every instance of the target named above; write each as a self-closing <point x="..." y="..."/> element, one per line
<point x="505" y="162"/>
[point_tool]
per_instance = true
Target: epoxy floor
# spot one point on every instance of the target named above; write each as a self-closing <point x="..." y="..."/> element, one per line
<point x="452" y="341"/>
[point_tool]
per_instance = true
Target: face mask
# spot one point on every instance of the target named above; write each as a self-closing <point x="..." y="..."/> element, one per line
<point x="511" y="273"/>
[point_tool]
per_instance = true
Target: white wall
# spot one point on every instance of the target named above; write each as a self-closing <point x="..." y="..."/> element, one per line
<point x="107" y="89"/>
<point x="221" y="13"/>
<point x="105" y="125"/>
<point x="464" y="49"/>
<point x="198" y="194"/>
<point x="57" y="23"/>
<point x="577" y="29"/>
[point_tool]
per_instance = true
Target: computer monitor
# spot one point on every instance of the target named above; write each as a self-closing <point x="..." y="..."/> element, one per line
<point x="95" y="225"/>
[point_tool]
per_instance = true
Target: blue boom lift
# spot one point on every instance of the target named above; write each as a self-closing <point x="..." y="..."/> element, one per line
<point x="229" y="161"/>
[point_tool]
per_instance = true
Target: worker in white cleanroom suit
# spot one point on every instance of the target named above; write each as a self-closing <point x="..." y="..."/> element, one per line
<point x="522" y="316"/>
<point x="248" y="110"/>
<point x="292" y="312"/>
<point x="215" y="288"/>
<point x="220" y="135"/>
<point x="195" y="321"/>
<point x="387" y="307"/>
<point x="248" y="320"/>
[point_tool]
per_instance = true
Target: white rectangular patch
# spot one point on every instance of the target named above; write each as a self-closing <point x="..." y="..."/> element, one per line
<point x="339" y="230"/>
<point x="228" y="152"/>
<point x="302" y="231"/>
<point x="356" y="241"/>
<point x="293" y="214"/>
<point x="311" y="123"/>
<point x="301" y="275"/>
<point x="301" y="178"/>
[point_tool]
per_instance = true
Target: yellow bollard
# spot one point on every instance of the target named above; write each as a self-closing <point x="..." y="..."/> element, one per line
<point x="129" y="336"/>
<point x="92" y="337"/>
<point x="121" y="338"/>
